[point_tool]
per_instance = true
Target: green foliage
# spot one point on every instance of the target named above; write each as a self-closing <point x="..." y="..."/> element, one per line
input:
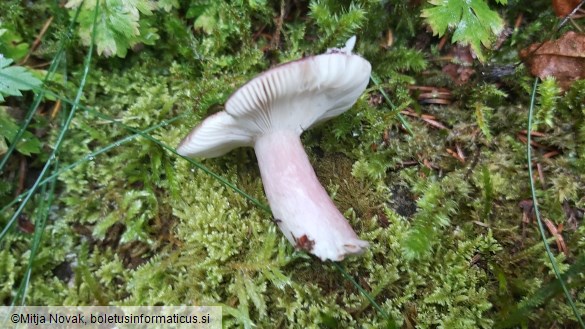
<point x="434" y="210"/>
<point x="374" y="168"/>
<point x="336" y="26"/>
<point x="168" y="5"/>
<point x="8" y="275"/>
<point x="138" y="225"/>
<point x="14" y="79"/>
<point x="404" y="59"/>
<point x="11" y="43"/>
<point x="223" y="40"/>
<point x="472" y="22"/>
<point x="575" y="100"/>
<point x="487" y="191"/>
<point x="573" y="106"/>
<point x="119" y="26"/>
<point x="451" y="293"/>
<point x="549" y="93"/>
<point x="132" y="210"/>
<point x="482" y="102"/>
<point x="547" y="292"/>
<point x="482" y="116"/>
<point x="28" y="143"/>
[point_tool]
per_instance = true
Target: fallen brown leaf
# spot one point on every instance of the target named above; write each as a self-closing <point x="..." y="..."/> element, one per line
<point x="563" y="8"/>
<point x="563" y="59"/>
<point x="25" y="225"/>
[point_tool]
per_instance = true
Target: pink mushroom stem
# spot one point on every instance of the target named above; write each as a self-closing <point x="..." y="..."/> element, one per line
<point x="301" y="207"/>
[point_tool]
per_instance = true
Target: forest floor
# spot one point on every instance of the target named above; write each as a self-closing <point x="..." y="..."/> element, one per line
<point x="462" y="164"/>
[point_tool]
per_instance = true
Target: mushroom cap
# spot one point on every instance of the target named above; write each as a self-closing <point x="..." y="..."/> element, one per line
<point x="293" y="96"/>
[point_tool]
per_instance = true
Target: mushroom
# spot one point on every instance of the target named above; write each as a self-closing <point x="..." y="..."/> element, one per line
<point x="270" y="112"/>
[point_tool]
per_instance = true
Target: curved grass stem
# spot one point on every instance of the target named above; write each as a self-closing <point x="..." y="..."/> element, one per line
<point x="63" y="132"/>
<point x="41" y="93"/>
<point x="536" y="211"/>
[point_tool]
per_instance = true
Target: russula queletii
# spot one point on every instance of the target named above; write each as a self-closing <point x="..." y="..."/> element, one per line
<point x="270" y="112"/>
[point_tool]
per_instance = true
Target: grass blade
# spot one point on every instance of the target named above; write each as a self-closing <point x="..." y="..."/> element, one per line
<point x="61" y="134"/>
<point x="41" y="93"/>
<point x="536" y="211"/>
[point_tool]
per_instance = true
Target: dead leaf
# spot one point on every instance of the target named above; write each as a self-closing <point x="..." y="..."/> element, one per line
<point x="563" y="59"/>
<point x="460" y="69"/>
<point x="25" y="225"/>
<point x="563" y="8"/>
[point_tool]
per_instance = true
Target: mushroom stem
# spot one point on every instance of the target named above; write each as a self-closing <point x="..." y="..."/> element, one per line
<point x="301" y="207"/>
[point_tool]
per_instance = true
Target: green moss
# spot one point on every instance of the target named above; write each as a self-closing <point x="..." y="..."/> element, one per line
<point x="138" y="225"/>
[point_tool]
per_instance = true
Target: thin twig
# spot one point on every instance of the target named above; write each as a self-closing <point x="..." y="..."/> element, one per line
<point x="37" y="41"/>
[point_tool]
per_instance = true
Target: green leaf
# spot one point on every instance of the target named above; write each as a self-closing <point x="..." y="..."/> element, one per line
<point x="28" y="144"/>
<point x="118" y="25"/>
<point x="472" y="21"/>
<point x="11" y="44"/>
<point x="15" y="78"/>
<point x="206" y="21"/>
<point x="255" y="4"/>
<point x="167" y="5"/>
